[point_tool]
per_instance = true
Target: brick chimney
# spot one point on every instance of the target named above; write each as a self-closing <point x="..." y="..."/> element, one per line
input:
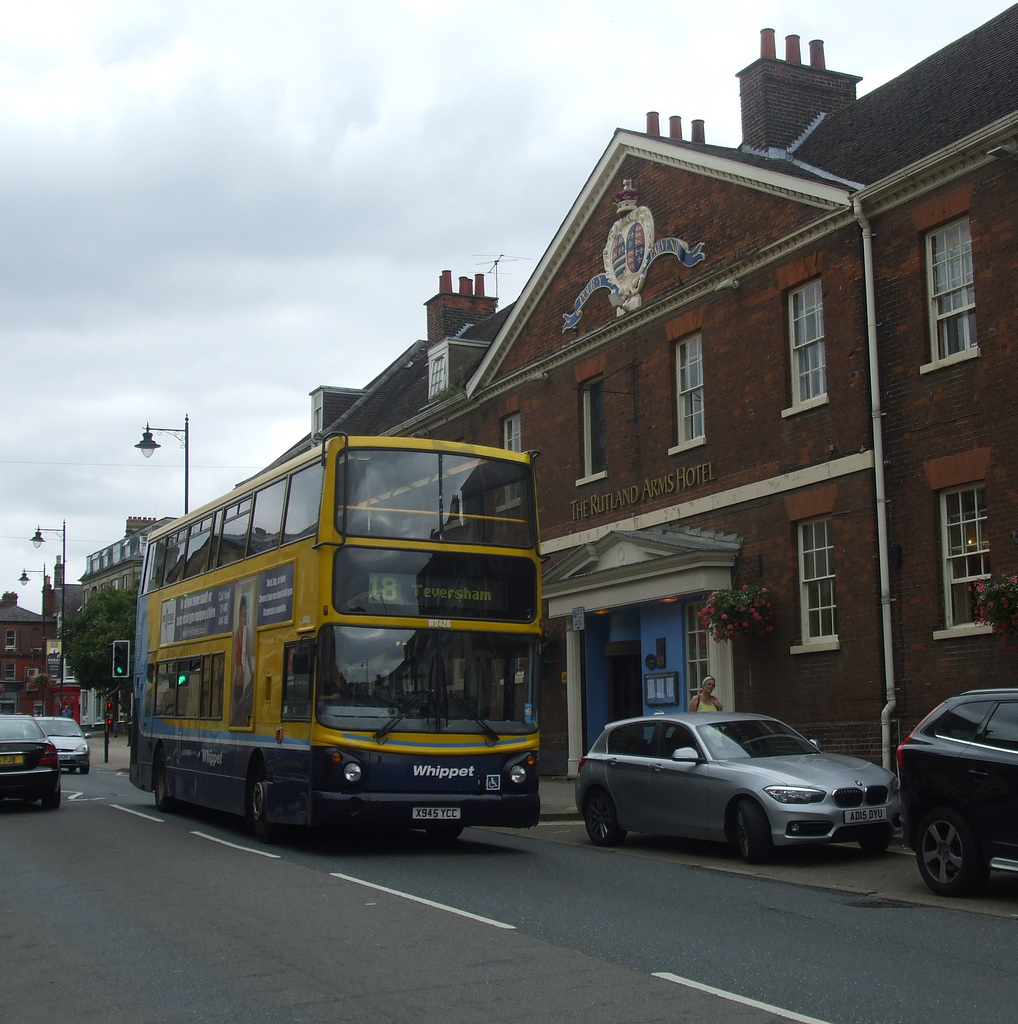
<point x="782" y="98"/>
<point x="449" y="312"/>
<point x="9" y="599"/>
<point x="136" y="523"/>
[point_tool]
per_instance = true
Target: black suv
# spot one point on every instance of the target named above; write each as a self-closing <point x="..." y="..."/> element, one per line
<point x="959" y="790"/>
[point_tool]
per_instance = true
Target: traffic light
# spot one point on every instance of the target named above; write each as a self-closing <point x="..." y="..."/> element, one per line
<point x="121" y="659"/>
<point x="109" y="710"/>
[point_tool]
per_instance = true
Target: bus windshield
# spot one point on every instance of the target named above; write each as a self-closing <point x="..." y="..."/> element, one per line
<point x="417" y="495"/>
<point x="423" y="680"/>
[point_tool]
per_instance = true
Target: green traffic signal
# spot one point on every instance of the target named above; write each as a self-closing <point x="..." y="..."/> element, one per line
<point x="121" y="659"/>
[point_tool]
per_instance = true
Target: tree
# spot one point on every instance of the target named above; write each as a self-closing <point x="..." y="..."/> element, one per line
<point x="108" y="615"/>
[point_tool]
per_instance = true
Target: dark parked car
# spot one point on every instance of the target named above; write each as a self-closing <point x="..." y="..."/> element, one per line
<point x="959" y="790"/>
<point x="29" y="764"/>
<point x="70" y="741"/>
<point x="740" y="778"/>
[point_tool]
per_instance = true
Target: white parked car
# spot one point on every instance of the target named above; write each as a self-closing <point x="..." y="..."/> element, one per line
<point x="71" y="743"/>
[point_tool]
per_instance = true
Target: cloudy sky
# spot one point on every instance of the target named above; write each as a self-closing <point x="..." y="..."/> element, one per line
<point x="210" y="207"/>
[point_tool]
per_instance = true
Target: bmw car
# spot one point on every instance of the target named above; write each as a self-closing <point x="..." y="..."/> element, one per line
<point x="29" y="766"/>
<point x="70" y="741"/>
<point x="743" y="779"/>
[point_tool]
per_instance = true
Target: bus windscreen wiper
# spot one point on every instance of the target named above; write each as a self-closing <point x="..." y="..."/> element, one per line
<point x="492" y="736"/>
<point x="417" y="700"/>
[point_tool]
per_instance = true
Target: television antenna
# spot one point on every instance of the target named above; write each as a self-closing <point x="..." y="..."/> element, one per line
<point x="495" y="260"/>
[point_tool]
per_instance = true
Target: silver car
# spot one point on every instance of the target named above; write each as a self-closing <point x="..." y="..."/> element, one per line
<point x="728" y="777"/>
<point x="71" y="743"/>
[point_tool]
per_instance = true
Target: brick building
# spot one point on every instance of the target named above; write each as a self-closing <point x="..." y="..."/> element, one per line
<point x="28" y="684"/>
<point x="788" y="364"/>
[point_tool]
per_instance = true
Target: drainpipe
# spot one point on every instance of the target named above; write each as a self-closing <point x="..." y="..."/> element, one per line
<point x="879" y="485"/>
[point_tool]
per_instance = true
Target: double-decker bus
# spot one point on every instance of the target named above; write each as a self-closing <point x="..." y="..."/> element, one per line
<point x="350" y="638"/>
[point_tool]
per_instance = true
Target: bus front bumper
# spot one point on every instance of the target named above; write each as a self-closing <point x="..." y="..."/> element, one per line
<point x="409" y="810"/>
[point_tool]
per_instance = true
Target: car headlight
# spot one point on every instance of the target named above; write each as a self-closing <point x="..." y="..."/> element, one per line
<point x="795" y="794"/>
<point x="352" y="771"/>
<point x="517" y="774"/>
<point x="81" y="749"/>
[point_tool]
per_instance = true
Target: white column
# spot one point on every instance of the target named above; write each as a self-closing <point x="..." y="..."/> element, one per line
<point x="574" y="699"/>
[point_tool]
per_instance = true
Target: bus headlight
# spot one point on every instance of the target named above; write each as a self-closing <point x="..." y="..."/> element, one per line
<point x="517" y="774"/>
<point x="352" y="771"/>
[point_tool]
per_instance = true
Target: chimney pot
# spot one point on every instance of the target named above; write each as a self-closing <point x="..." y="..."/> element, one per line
<point x="466" y="286"/>
<point x="479" y="285"/>
<point x="698" y="130"/>
<point x="816" y="54"/>
<point x="445" y="282"/>
<point x="675" y="127"/>
<point x="767" y="48"/>
<point x="792" y="53"/>
<point x="653" y="124"/>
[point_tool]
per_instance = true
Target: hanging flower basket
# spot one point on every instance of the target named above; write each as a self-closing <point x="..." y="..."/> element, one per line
<point x="995" y="604"/>
<point x="738" y="611"/>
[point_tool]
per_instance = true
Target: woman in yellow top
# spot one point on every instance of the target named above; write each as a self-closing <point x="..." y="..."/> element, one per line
<point x="705" y="699"/>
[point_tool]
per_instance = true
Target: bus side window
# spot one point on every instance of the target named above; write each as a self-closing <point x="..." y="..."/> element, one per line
<point x="198" y="547"/>
<point x="267" y="519"/>
<point x="173" y="571"/>
<point x="154" y="565"/>
<point x="166" y="689"/>
<point x="233" y="541"/>
<point x="303" y="503"/>
<point x="298" y="665"/>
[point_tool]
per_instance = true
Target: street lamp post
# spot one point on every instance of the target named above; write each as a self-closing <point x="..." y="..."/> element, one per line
<point x="147" y="446"/>
<point x="38" y="540"/>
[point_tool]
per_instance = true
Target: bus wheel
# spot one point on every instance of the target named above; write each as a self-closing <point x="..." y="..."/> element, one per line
<point x="443" y="833"/>
<point x="163" y="801"/>
<point x="257" y="807"/>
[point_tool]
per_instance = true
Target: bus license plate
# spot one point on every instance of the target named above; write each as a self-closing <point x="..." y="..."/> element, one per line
<point x="12" y="758"/>
<point x="862" y="814"/>
<point x="435" y="813"/>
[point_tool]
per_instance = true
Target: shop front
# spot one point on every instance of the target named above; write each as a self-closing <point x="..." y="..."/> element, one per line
<point x="634" y="642"/>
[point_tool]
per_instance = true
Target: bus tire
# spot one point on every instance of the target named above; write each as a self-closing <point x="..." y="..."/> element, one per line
<point x="164" y="802"/>
<point x="257" y="806"/>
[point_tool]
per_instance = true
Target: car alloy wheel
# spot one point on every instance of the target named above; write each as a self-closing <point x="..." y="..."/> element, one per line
<point x="601" y="820"/>
<point x="948" y="855"/>
<point x="753" y="833"/>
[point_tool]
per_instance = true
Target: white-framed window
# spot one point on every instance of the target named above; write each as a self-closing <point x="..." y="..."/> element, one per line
<point x="9" y="670"/>
<point x="438" y="374"/>
<point x="806" y="333"/>
<point x="952" y="294"/>
<point x="512" y="441"/>
<point x="511" y="437"/>
<point x="966" y="549"/>
<point x="816" y="580"/>
<point x="697" y="663"/>
<point x="594" y="435"/>
<point x="31" y="673"/>
<point x="317" y="412"/>
<point x="10" y="639"/>
<point x="689" y="388"/>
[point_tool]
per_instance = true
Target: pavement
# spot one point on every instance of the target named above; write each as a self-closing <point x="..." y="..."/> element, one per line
<point x="557" y="799"/>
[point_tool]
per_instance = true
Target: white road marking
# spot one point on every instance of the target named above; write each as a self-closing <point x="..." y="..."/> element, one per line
<point x="140" y="814"/>
<point x="236" y="846"/>
<point x="731" y="996"/>
<point x="426" y="903"/>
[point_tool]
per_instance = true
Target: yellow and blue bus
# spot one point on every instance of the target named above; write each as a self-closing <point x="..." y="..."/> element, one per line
<point x="348" y="639"/>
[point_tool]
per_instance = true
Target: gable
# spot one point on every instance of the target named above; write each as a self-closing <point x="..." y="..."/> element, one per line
<point x="695" y="194"/>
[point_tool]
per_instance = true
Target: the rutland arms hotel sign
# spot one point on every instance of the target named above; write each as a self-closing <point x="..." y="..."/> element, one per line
<point x="682" y="479"/>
